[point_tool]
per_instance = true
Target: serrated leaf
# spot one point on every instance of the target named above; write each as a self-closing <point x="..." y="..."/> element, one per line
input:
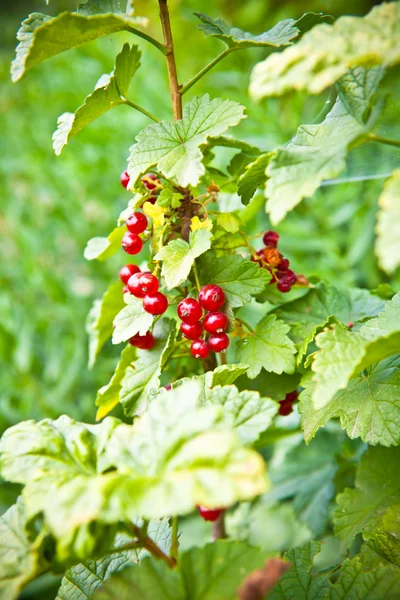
<point x="326" y="52"/>
<point x="229" y="222"/>
<point x="356" y="581"/>
<point x="269" y="347"/>
<point x="95" y="7"/>
<point x="282" y="34"/>
<point x="108" y="395"/>
<point x="99" y="324"/>
<point x="178" y="256"/>
<point x="169" y="199"/>
<point x="239" y="278"/>
<point x="253" y="177"/>
<point x="132" y="319"/>
<point x="175" y="147"/>
<point x="385" y="540"/>
<point x="377" y="488"/>
<point x="104" y="247"/>
<point x="369" y="407"/>
<point x="21" y="560"/>
<point x="41" y="36"/>
<point x="356" y="88"/>
<point x="103" y="99"/>
<point x="388" y="224"/>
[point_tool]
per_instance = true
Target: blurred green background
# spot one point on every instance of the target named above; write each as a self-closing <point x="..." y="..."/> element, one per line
<point x="50" y="206"/>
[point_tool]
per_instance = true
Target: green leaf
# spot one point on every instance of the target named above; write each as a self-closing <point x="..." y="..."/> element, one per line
<point x="132" y="319"/>
<point x="41" y="36"/>
<point x="369" y="407"/>
<point x="253" y="177"/>
<point x="104" y="247"/>
<point x="377" y="488"/>
<point x="229" y="222"/>
<point x="103" y="99"/>
<point x="385" y="540"/>
<point x="388" y="224"/>
<point x="169" y="199"/>
<point x="356" y="89"/>
<point x="21" y="560"/>
<point x="96" y="7"/>
<point x="298" y="582"/>
<point x="178" y="256"/>
<point x="251" y="414"/>
<point x="239" y="278"/>
<point x="108" y="395"/>
<point x="174" y="148"/>
<point x="349" y="42"/>
<point x="99" y="324"/>
<point x="282" y="34"/>
<point x="269" y="347"/>
<point x="356" y="581"/>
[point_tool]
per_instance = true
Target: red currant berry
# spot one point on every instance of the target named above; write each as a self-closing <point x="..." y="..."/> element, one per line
<point x="125" y="289"/>
<point x="271" y="238"/>
<point x="285" y="407"/>
<point x="155" y="304"/>
<point x="189" y="311"/>
<point x="131" y="243"/>
<point x="292" y="396"/>
<point x="290" y="277"/>
<point x="283" y="265"/>
<point x="134" y="285"/>
<point x="149" y="283"/>
<point x="137" y="222"/>
<point x="218" y="342"/>
<point x="350" y="324"/>
<point x="150" y="181"/>
<point x="152" y="199"/>
<point x="124" y="179"/>
<point x="284" y="287"/>
<point x="200" y="349"/>
<point x="215" y="322"/>
<point x="168" y="387"/>
<point x="192" y="332"/>
<point x="127" y="271"/>
<point x="144" y="342"/>
<point x="211" y="297"/>
<point x="209" y="514"/>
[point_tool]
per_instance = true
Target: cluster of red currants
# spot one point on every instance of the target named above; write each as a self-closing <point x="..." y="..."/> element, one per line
<point x="286" y="405"/>
<point x="215" y="322"/>
<point x="271" y="259"/>
<point x="150" y="182"/>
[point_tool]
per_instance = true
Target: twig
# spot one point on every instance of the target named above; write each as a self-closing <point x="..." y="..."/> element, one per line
<point x="170" y="58"/>
<point x="218" y="531"/>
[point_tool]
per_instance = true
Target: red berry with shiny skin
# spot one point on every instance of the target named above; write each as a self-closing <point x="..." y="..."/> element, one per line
<point x="148" y="283"/>
<point x="209" y="514"/>
<point x="189" y="311"/>
<point x="271" y="238"/>
<point x="137" y="222"/>
<point x="284" y="287"/>
<point x="285" y="407"/>
<point x="211" y="297"/>
<point x="215" y="322"/>
<point x="192" y="332"/>
<point x="218" y="342"/>
<point x="131" y="243"/>
<point x="124" y="179"/>
<point x="284" y="264"/>
<point x="150" y="181"/>
<point x="155" y="304"/>
<point x="134" y="285"/>
<point x="200" y="349"/>
<point x="144" y="342"/>
<point x="127" y="271"/>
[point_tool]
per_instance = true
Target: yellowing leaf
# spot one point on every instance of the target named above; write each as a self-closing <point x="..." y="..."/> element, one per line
<point x="388" y="224"/>
<point x="196" y="224"/>
<point x="155" y="212"/>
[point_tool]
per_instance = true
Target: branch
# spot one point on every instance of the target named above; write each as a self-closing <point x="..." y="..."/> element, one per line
<point x="205" y="70"/>
<point x="218" y="528"/>
<point x="170" y="58"/>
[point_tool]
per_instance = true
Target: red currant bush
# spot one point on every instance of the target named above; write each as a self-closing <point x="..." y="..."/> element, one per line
<point x="131" y="243"/>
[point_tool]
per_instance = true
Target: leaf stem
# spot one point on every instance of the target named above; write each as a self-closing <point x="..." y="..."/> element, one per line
<point x="149" y="39"/>
<point x="196" y="276"/>
<point x="246" y="324"/>
<point x="141" y="109"/>
<point x="174" y="539"/>
<point x="371" y="137"/>
<point x="152" y="547"/>
<point x="170" y="58"/>
<point x="205" y="70"/>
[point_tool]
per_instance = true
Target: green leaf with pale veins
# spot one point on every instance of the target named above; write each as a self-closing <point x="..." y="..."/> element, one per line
<point x="229" y="222"/>
<point x="41" y="36"/>
<point x="131" y="319"/>
<point x="21" y="560"/>
<point x="104" y="98"/>
<point x="99" y="324"/>
<point x="169" y="199"/>
<point x="254" y="177"/>
<point x="108" y="395"/>
<point x="356" y="89"/>
<point x="359" y="582"/>
<point x="282" y="34"/>
<point x="96" y="7"/>
<point x="385" y="540"/>
<point x="326" y="52"/>
<point x="174" y="148"/>
<point x="269" y="347"/>
<point x="388" y="224"/>
<point x="102" y="248"/>
<point x="239" y="278"/>
<point x="178" y="256"/>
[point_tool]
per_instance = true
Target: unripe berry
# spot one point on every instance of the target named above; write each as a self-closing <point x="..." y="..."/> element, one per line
<point x="137" y="222"/>
<point x="150" y="181"/>
<point x="200" y="349"/>
<point x="155" y="304"/>
<point x="209" y="514"/>
<point x="124" y="179"/>
<point x="144" y="342"/>
<point x="218" y="342"/>
<point x="271" y="238"/>
<point x="131" y="243"/>
<point x="211" y="297"/>
<point x="148" y="283"/>
<point x="284" y="264"/>
<point x="134" y="285"/>
<point x="192" y="332"/>
<point x="127" y="271"/>
<point x="215" y="322"/>
<point x="272" y="256"/>
<point x="189" y="311"/>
